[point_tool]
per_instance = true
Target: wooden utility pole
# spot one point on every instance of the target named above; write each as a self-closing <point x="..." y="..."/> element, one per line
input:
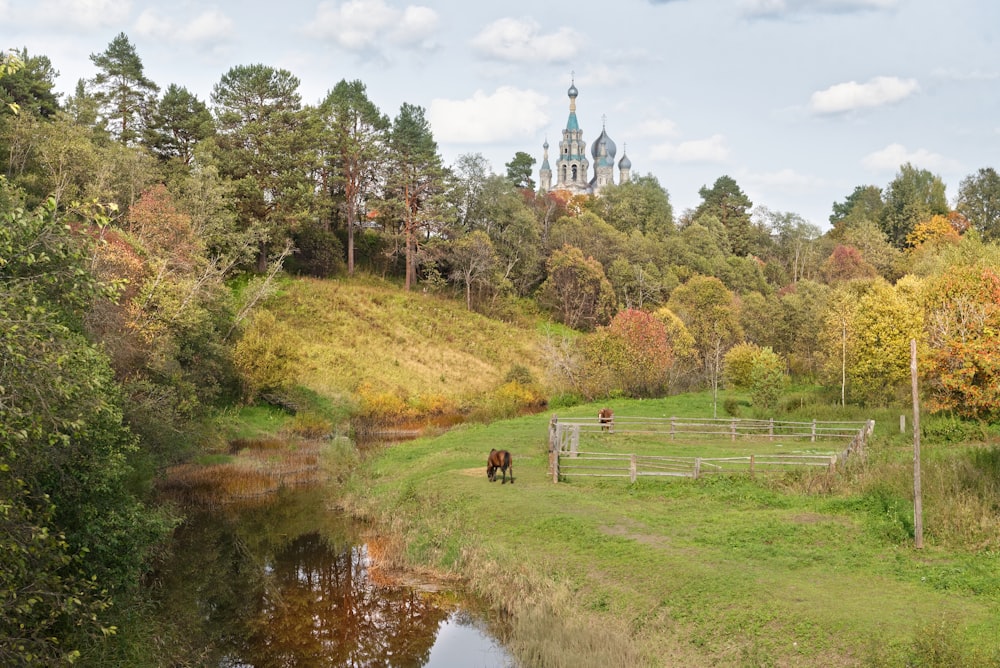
<point x="918" y="510"/>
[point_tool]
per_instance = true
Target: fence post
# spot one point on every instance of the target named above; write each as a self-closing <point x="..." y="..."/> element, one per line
<point x="632" y="468"/>
<point x="697" y="467"/>
<point x="751" y="465"/>
<point x="902" y="424"/>
<point x="553" y="433"/>
<point x="554" y="464"/>
<point x="814" y="431"/>
<point x="833" y="465"/>
<point x="672" y="428"/>
<point x="574" y="445"/>
<point x="732" y="429"/>
<point x="770" y="429"/>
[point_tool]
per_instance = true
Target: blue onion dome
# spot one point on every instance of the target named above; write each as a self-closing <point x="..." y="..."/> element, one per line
<point x="572" y="92"/>
<point x="546" y="145"/>
<point x="625" y="163"/>
<point x="603" y="150"/>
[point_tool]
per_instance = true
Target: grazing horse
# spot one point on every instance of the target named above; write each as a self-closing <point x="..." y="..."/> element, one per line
<point x="499" y="459"/>
<point x="607" y="419"/>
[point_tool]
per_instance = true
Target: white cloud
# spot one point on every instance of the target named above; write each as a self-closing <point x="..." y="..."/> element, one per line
<point x="851" y="95"/>
<point x="208" y="28"/>
<point x="713" y="149"/>
<point x="85" y="14"/>
<point x="659" y="127"/>
<point x="363" y="25"/>
<point x="893" y="156"/>
<point x="522" y="41"/>
<point x="151" y="23"/>
<point x="508" y="113"/>
<point x="784" y="180"/>
<point x="791" y="8"/>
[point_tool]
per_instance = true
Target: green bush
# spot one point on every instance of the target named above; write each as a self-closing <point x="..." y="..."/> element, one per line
<point x="266" y="357"/>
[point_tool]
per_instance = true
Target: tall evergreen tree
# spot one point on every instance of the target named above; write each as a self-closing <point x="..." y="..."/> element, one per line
<point x="180" y="121"/>
<point x="730" y="205"/>
<point x="124" y="95"/>
<point x="265" y="148"/>
<point x="353" y="146"/>
<point x="415" y="182"/>
<point x="914" y="196"/>
<point x="30" y="88"/>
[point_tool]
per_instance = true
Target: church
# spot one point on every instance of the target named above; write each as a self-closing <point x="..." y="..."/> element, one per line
<point x="573" y="168"/>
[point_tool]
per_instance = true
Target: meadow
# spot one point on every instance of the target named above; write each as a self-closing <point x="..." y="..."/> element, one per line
<point x="782" y="570"/>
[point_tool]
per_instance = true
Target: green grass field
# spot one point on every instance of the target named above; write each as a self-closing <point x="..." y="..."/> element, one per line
<point x="725" y="571"/>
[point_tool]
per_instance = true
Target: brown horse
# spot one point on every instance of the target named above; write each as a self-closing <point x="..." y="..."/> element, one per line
<point x="606" y="418"/>
<point x="499" y="459"/>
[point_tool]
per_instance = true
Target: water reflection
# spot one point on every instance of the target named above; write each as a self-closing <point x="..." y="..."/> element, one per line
<point x="288" y="583"/>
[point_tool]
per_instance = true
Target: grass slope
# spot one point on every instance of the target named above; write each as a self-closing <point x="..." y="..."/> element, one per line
<point x="716" y="572"/>
<point x="364" y="332"/>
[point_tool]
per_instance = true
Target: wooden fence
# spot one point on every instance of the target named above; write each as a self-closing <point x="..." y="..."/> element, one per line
<point x="566" y="458"/>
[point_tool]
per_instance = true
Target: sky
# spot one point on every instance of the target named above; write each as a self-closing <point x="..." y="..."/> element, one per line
<point x="799" y="101"/>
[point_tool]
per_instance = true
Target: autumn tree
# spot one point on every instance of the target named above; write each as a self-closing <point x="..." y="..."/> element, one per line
<point x="737" y="364"/>
<point x="123" y="93"/>
<point x="845" y="264"/>
<point x="682" y="345"/>
<point x="711" y="314"/>
<point x="936" y="230"/>
<point x="632" y="355"/>
<point x="867" y="335"/>
<point x="875" y="249"/>
<point x="576" y="290"/>
<point x="962" y="364"/>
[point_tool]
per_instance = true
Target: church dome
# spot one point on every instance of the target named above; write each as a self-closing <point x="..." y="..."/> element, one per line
<point x="572" y="92"/>
<point x="603" y="150"/>
<point x="625" y="163"/>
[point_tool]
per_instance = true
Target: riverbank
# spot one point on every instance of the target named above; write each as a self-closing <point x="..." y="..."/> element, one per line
<point x="723" y="572"/>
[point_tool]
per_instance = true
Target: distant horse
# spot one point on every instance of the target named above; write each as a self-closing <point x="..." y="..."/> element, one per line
<point x="499" y="459"/>
<point x="607" y="419"/>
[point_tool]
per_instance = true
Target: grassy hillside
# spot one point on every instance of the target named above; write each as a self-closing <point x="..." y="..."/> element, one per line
<point x="365" y="337"/>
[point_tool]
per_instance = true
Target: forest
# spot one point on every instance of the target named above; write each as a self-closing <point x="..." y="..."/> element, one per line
<point x="144" y="229"/>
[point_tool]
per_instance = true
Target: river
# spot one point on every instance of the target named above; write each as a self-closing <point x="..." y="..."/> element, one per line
<point x="287" y="581"/>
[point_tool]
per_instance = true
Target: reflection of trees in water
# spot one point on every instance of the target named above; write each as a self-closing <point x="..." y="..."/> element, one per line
<point x="273" y="587"/>
<point x="322" y="609"/>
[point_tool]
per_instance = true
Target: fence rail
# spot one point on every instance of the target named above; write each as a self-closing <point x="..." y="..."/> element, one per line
<point x="632" y="466"/>
<point x="566" y="458"/>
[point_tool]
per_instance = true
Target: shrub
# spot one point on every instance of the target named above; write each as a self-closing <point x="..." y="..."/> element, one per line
<point x="318" y="253"/>
<point x="266" y="357"/>
<point x="767" y="378"/>
<point x="738" y="364"/>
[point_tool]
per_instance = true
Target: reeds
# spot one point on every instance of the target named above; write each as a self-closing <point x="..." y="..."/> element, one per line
<point x="254" y="469"/>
